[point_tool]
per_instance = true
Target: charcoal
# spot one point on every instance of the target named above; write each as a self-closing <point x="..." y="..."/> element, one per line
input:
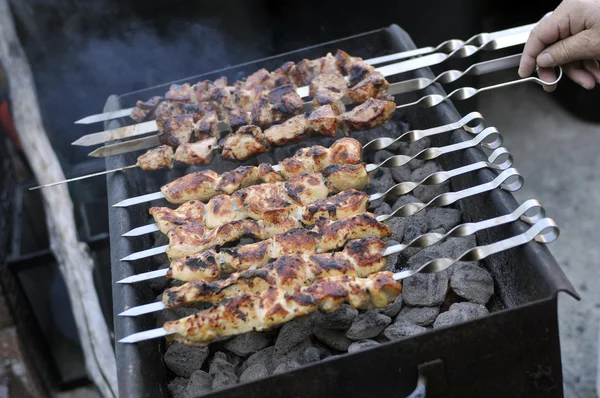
<point x="428" y="192"/>
<point x="367" y="325"/>
<point x="381" y="181"/>
<point x="177" y="388"/>
<point x="294" y="337"/>
<point x="408" y="253"/>
<point x="248" y="343"/>
<point x="393" y="308"/>
<point x="335" y="339"/>
<point x="160" y="284"/>
<point x="402" y="174"/>
<point x="200" y="383"/>
<point x="442" y="217"/>
<point x="460" y="312"/>
<point x="222" y="372"/>
<point x="381" y="156"/>
<point x="412" y="148"/>
<point x="310" y="355"/>
<point x="405" y="199"/>
<point x="392" y="259"/>
<point x="422" y="316"/>
<point x="340" y="319"/>
<point x="254" y="372"/>
<point x="286" y="366"/>
<point x="184" y="360"/>
<point x="263" y="357"/>
<point x="382" y="209"/>
<point x="396" y="224"/>
<point x="472" y="283"/>
<point x="402" y="329"/>
<point x="361" y="345"/>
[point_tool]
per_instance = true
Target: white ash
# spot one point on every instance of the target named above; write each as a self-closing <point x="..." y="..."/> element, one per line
<point x="401" y="329"/>
<point x="472" y="282"/>
<point x="294" y="337"/>
<point x="263" y="357"/>
<point x="460" y="312"/>
<point x="392" y="261"/>
<point x="222" y="372"/>
<point x="177" y="387"/>
<point x="367" y="325"/>
<point x="184" y="360"/>
<point x="254" y="372"/>
<point x="200" y="383"/>
<point x="422" y="316"/>
<point x="362" y="345"/>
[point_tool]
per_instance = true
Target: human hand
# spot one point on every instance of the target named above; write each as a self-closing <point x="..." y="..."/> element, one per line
<point x="570" y="37"/>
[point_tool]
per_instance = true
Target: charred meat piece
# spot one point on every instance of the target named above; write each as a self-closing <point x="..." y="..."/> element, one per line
<point x="283" y="74"/>
<point x="276" y="306"/>
<point x="373" y="86"/>
<point x="345" y="151"/>
<point x="285" y="103"/>
<point x="237" y="117"/>
<point x="291" y="130"/>
<point x="199" y="153"/>
<point x="145" y="110"/>
<point x="261" y="111"/>
<point x="268" y="174"/>
<point x="198" y="111"/>
<point x="370" y="114"/>
<point x="306" y="70"/>
<point x="166" y="218"/>
<point x="323" y="121"/>
<point x="342" y="205"/>
<point x="203" y="91"/>
<point x="181" y="93"/>
<point x="207" y="127"/>
<point x="341" y="177"/>
<point x="239" y="178"/>
<point x="176" y="130"/>
<point x="358" y="71"/>
<point x="200" y="186"/>
<point x="259" y="78"/>
<point x="158" y="158"/>
<point x="246" y="142"/>
<point x="328" y="89"/>
<point x="249" y="97"/>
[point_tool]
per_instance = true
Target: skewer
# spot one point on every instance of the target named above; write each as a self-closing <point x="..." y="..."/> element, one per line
<point x="471" y="123"/>
<point x="498" y="160"/>
<point x="544" y="230"/>
<point x="509" y="180"/>
<point x="446" y="46"/>
<point x="449" y="76"/>
<point x="523" y="212"/>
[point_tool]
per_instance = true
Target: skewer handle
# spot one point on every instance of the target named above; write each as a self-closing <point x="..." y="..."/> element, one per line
<point x="84" y="177"/>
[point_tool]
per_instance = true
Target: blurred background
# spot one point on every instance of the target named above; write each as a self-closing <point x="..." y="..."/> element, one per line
<point x="83" y="51"/>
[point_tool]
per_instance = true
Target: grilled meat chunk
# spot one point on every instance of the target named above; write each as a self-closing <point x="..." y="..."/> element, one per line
<point x="195" y="186"/>
<point x="324" y="121"/>
<point x="246" y="142"/>
<point x="176" y="130"/>
<point x="237" y="179"/>
<point x="207" y="127"/>
<point x="203" y="90"/>
<point x="285" y="103"/>
<point x="199" y="153"/>
<point x="370" y="114"/>
<point x="181" y="93"/>
<point x="190" y="212"/>
<point x="158" y="158"/>
<point x="237" y="117"/>
<point x="373" y="86"/>
<point x="289" y="131"/>
<point x="145" y="110"/>
<point x="275" y="306"/>
<point x="283" y="74"/>
<point x="328" y="89"/>
<point x="306" y="70"/>
<point x="198" y="111"/>
<point x="259" y="78"/>
<point x="261" y="113"/>
<point x="340" y="177"/>
<point x="342" y="205"/>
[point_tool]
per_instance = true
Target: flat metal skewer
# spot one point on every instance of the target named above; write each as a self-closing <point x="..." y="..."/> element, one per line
<point x="446" y="46"/>
<point x="543" y="231"/>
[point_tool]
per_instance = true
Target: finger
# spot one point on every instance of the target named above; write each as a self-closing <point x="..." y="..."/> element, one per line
<point x="579" y="75"/>
<point x="573" y="48"/>
<point x="547" y="75"/>
<point x="592" y="66"/>
<point x="544" y="34"/>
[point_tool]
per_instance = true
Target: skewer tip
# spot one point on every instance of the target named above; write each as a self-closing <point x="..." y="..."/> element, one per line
<point x="146" y="335"/>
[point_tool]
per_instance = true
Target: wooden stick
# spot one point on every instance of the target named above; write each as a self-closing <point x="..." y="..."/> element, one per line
<point x="73" y="256"/>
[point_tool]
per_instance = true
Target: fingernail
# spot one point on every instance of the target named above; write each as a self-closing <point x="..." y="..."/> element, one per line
<point x="545" y="60"/>
<point x="521" y="72"/>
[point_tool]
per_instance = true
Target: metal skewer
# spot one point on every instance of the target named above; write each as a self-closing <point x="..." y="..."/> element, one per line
<point x="446" y="46"/>
<point x="544" y="231"/>
<point x="471" y="123"/>
<point x="509" y="180"/>
<point x="476" y="69"/>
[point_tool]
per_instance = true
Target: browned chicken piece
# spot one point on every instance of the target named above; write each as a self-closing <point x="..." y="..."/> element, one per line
<point x="166" y="219"/>
<point x="306" y="70"/>
<point x="327" y="236"/>
<point x="203" y="91"/>
<point x="176" y="130"/>
<point x="358" y="71"/>
<point x="198" y="111"/>
<point x="207" y="127"/>
<point x="158" y="158"/>
<point x="342" y="205"/>
<point x="237" y="117"/>
<point x="282" y="75"/>
<point x="181" y="93"/>
<point x="275" y="306"/>
<point x="195" y="186"/>
<point x="261" y="113"/>
<point x="249" y="97"/>
<point x="370" y="114"/>
<point x="292" y="271"/>
<point x="340" y="177"/>
<point x="259" y="78"/>
<point x="199" y="153"/>
<point x="373" y="86"/>
<point x="323" y="121"/>
<point x="246" y="142"/>
<point x="292" y="130"/>
<point x="328" y="89"/>
<point x="285" y="103"/>
<point x="268" y="174"/>
<point x="345" y="151"/>
<point x="238" y="178"/>
<point x="144" y="110"/>
<point x="221" y="210"/>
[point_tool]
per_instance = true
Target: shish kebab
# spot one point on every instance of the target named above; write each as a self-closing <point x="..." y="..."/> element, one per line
<point x="189" y="239"/>
<point x="206" y="184"/>
<point x="250" y="268"/>
<point x="275" y="306"/>
<point x="328" y="88"/>
<point x="449" y="45"/>
<point x="336" y="178"/>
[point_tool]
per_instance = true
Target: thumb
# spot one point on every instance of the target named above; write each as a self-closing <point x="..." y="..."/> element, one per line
<point x="573" y="48"/>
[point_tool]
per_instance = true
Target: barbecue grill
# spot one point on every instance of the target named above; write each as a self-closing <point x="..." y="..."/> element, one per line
<point x="514" y="351"/>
